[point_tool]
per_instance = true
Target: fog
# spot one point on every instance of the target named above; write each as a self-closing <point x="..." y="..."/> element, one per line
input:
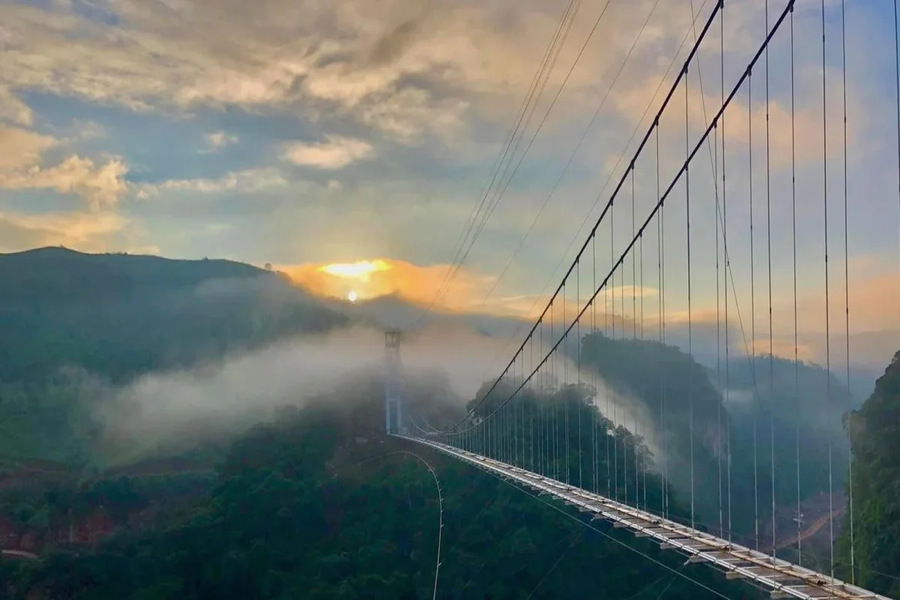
<point x="163" y="412"/>
<point x="226" y="396"/>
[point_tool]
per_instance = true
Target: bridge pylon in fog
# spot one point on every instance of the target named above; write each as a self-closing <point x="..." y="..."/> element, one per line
<point x="393" y="383"/>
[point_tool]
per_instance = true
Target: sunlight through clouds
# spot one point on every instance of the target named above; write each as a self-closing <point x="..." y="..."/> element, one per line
<point x="312" y="133"/>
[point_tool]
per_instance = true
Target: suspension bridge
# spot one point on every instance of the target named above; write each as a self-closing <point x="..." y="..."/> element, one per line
<point x="690" y="215"/>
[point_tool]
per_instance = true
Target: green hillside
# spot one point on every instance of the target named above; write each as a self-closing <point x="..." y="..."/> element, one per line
<point x="876" y="488"/>
<point x="321" y="506"/>
<point x="65" y="316"/>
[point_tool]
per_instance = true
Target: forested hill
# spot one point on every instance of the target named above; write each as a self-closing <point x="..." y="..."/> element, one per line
<point x="66" y="315"/>
<point x="724" y="421"/>
<point x="121" y="315"/>
<point x="876" y="487"/>
<point x="48" y="276"/>
<point x="322" y="506"/>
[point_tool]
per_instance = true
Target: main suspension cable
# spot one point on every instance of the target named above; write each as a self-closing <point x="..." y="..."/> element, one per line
<point x="606" y="208"/>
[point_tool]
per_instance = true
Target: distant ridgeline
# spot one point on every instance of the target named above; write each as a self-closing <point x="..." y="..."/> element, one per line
<point x="120" y="315"/>
<point x="664" y="381"/>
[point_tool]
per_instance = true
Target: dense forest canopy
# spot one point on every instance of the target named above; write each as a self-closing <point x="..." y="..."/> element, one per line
<point x="875" y="430"/>
<point x="303" y="510"/>
<point x="665" y="382"/>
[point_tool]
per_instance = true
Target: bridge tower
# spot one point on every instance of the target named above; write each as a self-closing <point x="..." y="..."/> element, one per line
<point x="393" y="383"/>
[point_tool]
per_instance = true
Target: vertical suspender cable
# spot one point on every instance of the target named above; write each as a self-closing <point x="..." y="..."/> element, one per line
<point x="727" y="267"/>
<point x="660" y="366"/>
<point x="827" y="297"/>
<point x="687" y="203"/>
<point x="689" y="282"/>
<point x="594" y="406"/>
<point x="621" y="268"/>
<point x="553" y="408"/>
<point x="794" y="243"/>
<point x="489" y="423"/>
<point x="621" y="419"/>
<point x="847" y="294"/>
<point x="633" y="265"/>
<point x="565" y="386"/>
<point x="771" y="330"/>
<point x="644" y="351"/>
<point x="606" y="387"/>
<point x="505" y="429"/>
<point x="753" y="319"/>
<point x="511" y="442"/>
<point x="625" y="440"/>
<point x="720" y="443"/>
<point x="634" y="333"/>
<point x="502" y="429"/>
<point x="520" y="416"/>
<point x="615" y="403"/>
<point x="503" y="426"/>
<point x="578" y="398"/>
<point x="662" y="234"/>
<point x="541" y="398"/>
<point x="719" y="428"/>
<point x="531" y="438"/>
<point x="526" y="439"/>
<point x="897" y="83"/>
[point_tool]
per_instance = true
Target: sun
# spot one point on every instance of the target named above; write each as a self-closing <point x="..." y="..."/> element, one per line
<point x="351" y="296"/>
<point x="360" y="271"/>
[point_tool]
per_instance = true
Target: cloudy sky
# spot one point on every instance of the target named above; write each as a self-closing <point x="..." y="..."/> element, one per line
<point x="309" y="132"/>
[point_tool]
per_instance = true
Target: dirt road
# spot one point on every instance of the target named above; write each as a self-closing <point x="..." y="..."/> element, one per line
<point x="813" y="529"/>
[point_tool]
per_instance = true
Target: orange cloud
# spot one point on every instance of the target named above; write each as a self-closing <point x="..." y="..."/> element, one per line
<point x="384" y="277"/>
<point x="467" y="291"/>
<point x="360" y="270"/>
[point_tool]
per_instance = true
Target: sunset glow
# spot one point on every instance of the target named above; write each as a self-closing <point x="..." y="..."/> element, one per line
<point x="360" y="270"/>
<point x="376" y="277"/>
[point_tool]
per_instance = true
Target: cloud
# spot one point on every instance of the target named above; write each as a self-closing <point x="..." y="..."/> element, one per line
<point x="248" y="181"/>
<point x="220" y="139"/>
<point x="407" y="68"/>
<point x="21" y="148"/>
<point x="807" y="121"/>
<point x="100" y="185"/>
<point x="88" y="130"/>
<point x="868" y="294"/>
<point x="12" y="108"/>
<point x="415" y="283"/>
<point x="21" y="152"/>
<point x="90" y="232"/>
<point x="335" y="153"/>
